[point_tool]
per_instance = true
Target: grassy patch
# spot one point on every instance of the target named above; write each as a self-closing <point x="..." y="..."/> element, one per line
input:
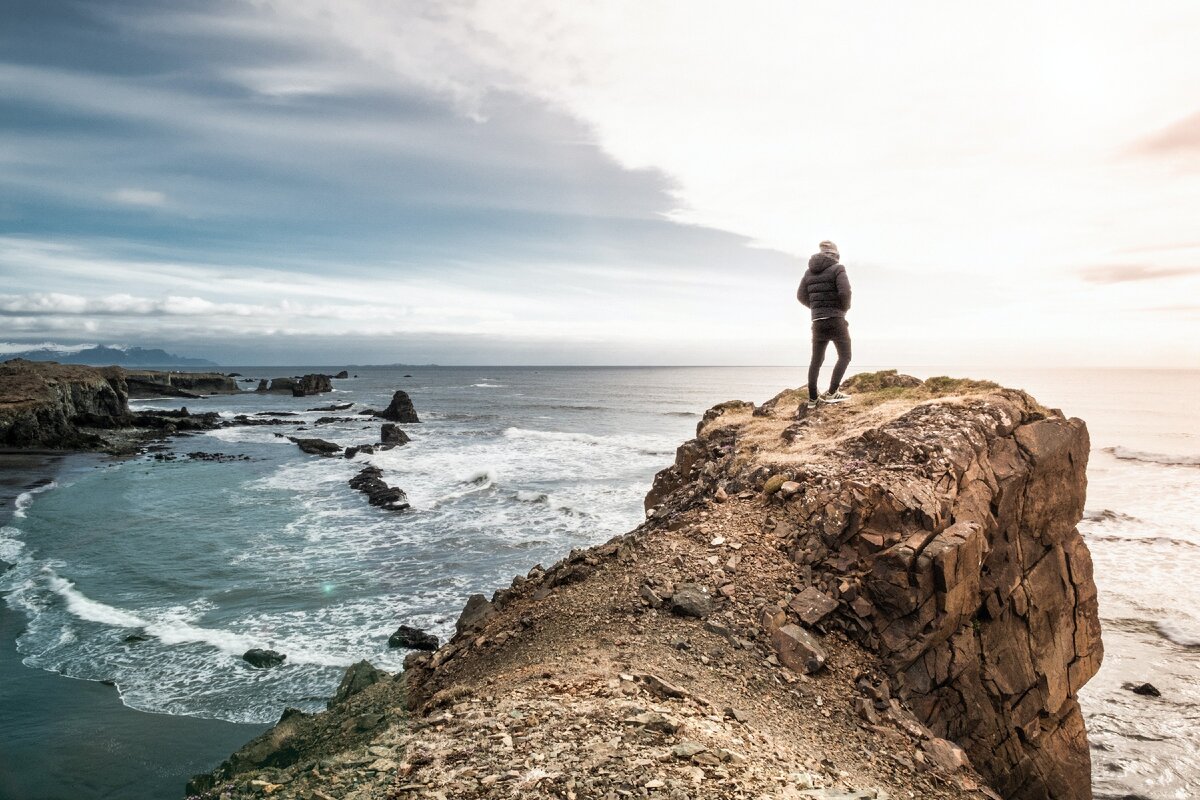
<point x="873" y="388"/>
<point x="942" y="384"/>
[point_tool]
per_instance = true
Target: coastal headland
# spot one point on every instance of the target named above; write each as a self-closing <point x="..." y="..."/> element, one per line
<point x="887" y="598"/>
<point x="44" y="404"/>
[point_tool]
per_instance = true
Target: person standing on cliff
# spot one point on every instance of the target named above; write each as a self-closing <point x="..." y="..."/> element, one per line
<point x="825" y="291"/>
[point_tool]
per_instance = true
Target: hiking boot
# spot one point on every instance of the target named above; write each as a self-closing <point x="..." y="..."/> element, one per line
<point x="811" y="405"/>
<point x="834" y="397"/>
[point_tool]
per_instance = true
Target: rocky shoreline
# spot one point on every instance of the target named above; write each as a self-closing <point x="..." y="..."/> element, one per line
<point x="54" y="406"/>
<point x="883" y="599"/>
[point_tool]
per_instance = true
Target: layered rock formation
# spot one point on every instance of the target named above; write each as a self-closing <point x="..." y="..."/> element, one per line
<point x="61" y="406"/>
<point x="302" y="386"/>
<point x="155" y="383"/>
<point x="39" y="402"/>
<point x="813" y="609"/>
<point x="945" y="540"/>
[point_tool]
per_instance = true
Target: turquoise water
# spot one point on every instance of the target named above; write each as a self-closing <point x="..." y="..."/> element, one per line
<point x="510" y="467"/>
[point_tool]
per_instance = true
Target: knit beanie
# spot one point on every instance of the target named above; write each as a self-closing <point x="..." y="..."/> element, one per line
<point x="831" y="248"/>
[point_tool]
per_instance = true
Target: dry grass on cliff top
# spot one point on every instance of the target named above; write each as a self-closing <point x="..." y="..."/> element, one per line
<point x="24" y="383"/>
<point x="782" y="433"/>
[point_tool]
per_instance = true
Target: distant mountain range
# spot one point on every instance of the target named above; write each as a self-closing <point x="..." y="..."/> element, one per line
<point x="102" y="356"/>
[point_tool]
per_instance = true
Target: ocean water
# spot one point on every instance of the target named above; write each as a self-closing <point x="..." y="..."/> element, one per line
<point x="158" y="575"/>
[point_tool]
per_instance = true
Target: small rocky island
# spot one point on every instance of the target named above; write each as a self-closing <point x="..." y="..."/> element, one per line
<point x="883" y="599"/>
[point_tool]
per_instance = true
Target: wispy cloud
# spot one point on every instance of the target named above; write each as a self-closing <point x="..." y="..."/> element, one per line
<point x="1128" y="273"/>
<point x="139" y="197"/>
<point x="495" y="171"/>
<point x="7" y="348"/>
<point x="1178" y="138"/>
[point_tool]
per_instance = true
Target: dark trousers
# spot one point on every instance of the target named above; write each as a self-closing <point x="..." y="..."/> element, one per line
<point x="824" y="331"/>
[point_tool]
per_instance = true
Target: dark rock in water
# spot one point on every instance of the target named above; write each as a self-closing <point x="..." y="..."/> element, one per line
<point x="368" y="412"/>
<point x="392" y="434"/>
<point x="301" y="386"/>
<point x="400" y="409"/>
<point x="333" y="407"/>
<point x="156" y="383"/>
<point x="243" y="420"/>
<point x="330" y="420"/>
<point x="405" y="375"/>
<point x="690" y="600"/>
<point x="342" y="375"/>
<point x="474" y="612"/>
<point x="133" y="638"/>
<point x="257" y="657"/>
<point x="358" y="677"/>
<point x="317" y="447"/>
<point x="351" y="452"/>
<point x="1145" y="689"/>
<point x="200" y="455"/>
<point x="413" y="639"/>
<point x="370" y="482"/>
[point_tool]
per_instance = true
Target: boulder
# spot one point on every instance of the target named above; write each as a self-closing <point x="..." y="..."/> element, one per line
<point x="263" y="659"/>
<point x="413" y="639"/>
<point x="317" y="447"/>
<point x="358" y="676"/>
<point x="773" y="484"/>
<point x="333" y="407"/>
<point x="797" y="649"/>
<point x="400" y="409"/>
<point x="342" y="375"/>
<point x="474" y="613"/>
<point x="691" y="600"/>
<point x="392" y="434"/>
<point x="812" y="605"/>
<point x="370" y="482"/>
<point x="945" y="755"/>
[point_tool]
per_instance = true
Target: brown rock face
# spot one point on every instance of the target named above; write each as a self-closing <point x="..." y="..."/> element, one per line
<point x="946" y="535"/>
<point x="41" y="401"/>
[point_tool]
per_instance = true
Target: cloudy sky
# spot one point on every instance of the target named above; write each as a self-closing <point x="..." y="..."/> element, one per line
<point x="536" y="182"/>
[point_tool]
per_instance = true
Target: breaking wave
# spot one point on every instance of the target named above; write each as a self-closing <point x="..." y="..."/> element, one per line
<point x="1129" y="454"/>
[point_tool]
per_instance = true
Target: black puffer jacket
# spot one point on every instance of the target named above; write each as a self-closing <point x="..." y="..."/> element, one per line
<point x="825" y="289"/>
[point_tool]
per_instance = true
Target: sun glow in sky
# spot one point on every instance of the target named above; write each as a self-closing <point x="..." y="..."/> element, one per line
<point x="616" y="182"/>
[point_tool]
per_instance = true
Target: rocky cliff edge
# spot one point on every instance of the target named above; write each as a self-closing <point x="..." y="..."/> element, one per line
<point x="44" y="404"/>
<point x="887" y="598"/>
